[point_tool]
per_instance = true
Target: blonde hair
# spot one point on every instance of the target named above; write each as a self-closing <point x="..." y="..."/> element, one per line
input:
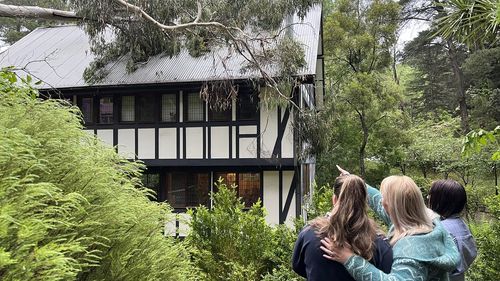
<point x="348" y="222"/>
<point x="406" y="207"/>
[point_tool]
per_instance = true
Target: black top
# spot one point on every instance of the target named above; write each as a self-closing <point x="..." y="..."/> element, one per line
<point x="308" y="260"/>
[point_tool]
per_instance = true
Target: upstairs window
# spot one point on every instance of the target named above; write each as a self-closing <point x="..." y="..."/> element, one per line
<point x="194" y="108"/>
<point x="168" y="108"/>
<point x="247" y="106"/>
<point x="220" y="114"/>
<point x="128" y="109"/>
<point x="106" y="110"/>
<point x="146" y="105"/>
<point x="87" y="108"/>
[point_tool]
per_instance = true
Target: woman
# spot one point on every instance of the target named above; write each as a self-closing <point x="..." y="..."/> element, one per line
<point x="349" y="224"/>
<point x="422" y="248"/>
<point x="448" y="198"/>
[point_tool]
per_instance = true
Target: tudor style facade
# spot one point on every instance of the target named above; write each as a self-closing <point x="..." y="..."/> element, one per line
<point x="160" y="119"/>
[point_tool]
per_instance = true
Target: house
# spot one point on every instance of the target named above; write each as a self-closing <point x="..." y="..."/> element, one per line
<point x="155" y="114"/>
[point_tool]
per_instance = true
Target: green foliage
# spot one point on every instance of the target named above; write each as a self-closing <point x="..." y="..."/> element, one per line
<point x="231" y="243"/>
<point x="486" y="233"/>
<point x="140" y="39"/>
<point x="359" y="37"/>
<point x="475" y="141"/>
<point x="472" y="22"/>
<point x="70" y="207"/>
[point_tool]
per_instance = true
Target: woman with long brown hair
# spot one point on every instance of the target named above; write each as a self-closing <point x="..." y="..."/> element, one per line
<point x="348" y="224"/>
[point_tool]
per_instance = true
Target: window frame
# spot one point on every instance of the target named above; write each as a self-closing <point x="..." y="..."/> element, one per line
<point x="186" y="107"/>
<point x="79" y="103"/>
<point x="237" y="183"/>
<point x="98" y="111"/>
<point x="177" y="111"/>
<point x="251" y="95"/>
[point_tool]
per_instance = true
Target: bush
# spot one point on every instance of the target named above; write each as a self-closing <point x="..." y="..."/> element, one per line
<point x="70" y="207"/>
<point x="232" y="243"/>
<point x="487" y="265"/>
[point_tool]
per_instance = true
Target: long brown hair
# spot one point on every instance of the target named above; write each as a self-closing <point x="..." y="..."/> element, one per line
<point x="348" y="222"/>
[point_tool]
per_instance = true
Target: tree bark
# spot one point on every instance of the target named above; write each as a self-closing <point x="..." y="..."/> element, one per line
<point x="460" y="82"/>
<point x="362" y="148"/>
<point x="11" y="11"/>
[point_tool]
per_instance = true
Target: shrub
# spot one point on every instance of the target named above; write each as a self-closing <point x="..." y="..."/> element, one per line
<point x="70" y="207"/>
<point x="230" y="242"/>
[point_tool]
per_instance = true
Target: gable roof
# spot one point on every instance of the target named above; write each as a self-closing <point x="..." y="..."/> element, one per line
<point x="59" y="55"/>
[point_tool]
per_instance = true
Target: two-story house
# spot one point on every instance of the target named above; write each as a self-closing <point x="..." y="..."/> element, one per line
<point x="155" y="114"/>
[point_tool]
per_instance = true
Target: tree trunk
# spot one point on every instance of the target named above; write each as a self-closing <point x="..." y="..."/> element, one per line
<point x="362" y="149"/>
<point x="460" y="82"/>
<point x="11" y="11"/>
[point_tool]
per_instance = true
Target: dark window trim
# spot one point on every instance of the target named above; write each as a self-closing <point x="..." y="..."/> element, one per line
<point x="185" y="108"/>
<point x="177" y="109"/>
<point x="255" y="94"/>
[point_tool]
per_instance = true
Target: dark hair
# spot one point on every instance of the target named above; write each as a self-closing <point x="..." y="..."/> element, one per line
<point x="447" y="197"/>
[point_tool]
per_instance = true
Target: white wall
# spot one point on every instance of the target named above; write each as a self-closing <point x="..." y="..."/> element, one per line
<point x="271" y="196"/>
<point x="269" y="131"/>
<point x="287" y="181"/>
<point x="248" y="148"/>
<point x="194" y="143"/>
<point x="219" y="142"/>
<point x="146" y="144"/>
<point x="126" y="143"/>
<point x="167" y="145"/>
<point x="105" y="135"/>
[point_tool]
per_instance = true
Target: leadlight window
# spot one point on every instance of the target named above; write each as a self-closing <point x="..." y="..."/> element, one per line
<point x="128" y="109"/>
<point x="146" y="108"/>
<point x="152" y="181"/>
<point x="220" y="114"/>
<point x="194" y="108"/>
<point x="168" y="108"/>
<point x="106" y="110"/>
<point x="247" y="106"/>
<point x="87" y="108"/>
<point x="187" y="190"/>
<point x="247" y="185"/>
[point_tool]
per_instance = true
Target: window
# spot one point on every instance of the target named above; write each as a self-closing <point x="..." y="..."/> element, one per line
<point x="106" y="110"/>
<point x="87" y="108"/>
<point x="146" y="108"/>
<point x="128" y="109"/>
<point x="152" y="181"/>
<point x="186" y="190"/>
<point x="247" y="106"/>
<point x="168" y="108"/>
<point x="194" y="108"/>
<point x="220" y="115"/>
<point x="248" y="185"/>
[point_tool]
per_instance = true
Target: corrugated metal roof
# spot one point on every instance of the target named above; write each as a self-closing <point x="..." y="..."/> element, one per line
<point x="59" y="55"/>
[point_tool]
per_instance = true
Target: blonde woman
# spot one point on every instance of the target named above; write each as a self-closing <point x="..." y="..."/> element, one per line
<point x="422" y="248"/>
<point x="349" y="224"/>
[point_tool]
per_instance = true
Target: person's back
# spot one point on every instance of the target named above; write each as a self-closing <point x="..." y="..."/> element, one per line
<point x="308" y="260"/>
<point x="347" y="223"/>
<point x="465" y="243"/>
<point x="448" y="199"/>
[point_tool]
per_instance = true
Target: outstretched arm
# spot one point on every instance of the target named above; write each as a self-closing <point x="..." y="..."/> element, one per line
<point x="375" y="203"/>
<point x="362" y="270"/>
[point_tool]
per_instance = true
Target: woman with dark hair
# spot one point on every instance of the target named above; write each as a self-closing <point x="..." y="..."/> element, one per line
<point x="349" y="224"/>
<point x="448" y="199"/>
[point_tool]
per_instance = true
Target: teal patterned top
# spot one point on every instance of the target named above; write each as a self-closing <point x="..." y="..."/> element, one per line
<point x="421" y="257"/>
